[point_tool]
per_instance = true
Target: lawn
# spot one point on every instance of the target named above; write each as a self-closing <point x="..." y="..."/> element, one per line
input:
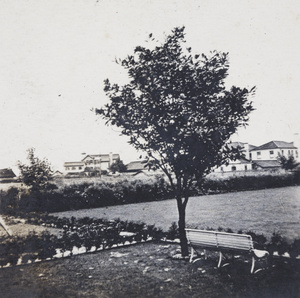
<point x="146" y="270"/>
<point x="262" y="211"/>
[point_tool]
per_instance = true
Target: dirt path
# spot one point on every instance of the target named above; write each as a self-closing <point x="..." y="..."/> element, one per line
<point x="17" y="227"/>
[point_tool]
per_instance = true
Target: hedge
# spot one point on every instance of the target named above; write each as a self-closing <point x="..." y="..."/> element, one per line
<point x="102" y="194"/>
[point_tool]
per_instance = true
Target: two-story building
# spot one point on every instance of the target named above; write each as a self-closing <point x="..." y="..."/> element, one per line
<point x="271" y="150"/>
<point x="266" y="155"/>
<point x="92" y="162"/>
<point x="100" y="161"/>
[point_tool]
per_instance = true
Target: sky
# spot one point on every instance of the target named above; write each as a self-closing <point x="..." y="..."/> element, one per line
<point x="55" y="55"/>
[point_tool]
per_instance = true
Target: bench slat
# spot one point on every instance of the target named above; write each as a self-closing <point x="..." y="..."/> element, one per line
<point x="221" y="241"/>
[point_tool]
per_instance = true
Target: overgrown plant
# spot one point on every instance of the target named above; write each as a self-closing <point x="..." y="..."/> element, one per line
<point x="177" y="110"/>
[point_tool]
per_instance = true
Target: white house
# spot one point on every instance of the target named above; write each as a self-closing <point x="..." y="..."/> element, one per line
<point x="271" y="150"/>
<point x="7" y="174"/>
<point x="74" y="166"/>
<point x="265" y="157"/>
<point x="100" y="162"/>
<point x="240" y="164"/>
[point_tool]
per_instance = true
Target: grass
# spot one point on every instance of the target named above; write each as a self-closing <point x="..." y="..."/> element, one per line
<point x="262" y="211"/>
<point x="146" y="270"/>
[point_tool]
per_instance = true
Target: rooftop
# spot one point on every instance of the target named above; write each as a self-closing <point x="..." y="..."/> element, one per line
<point x="7" y="173"/>
<point x="276" y="145"/>
<point x="136" y="165"/>
<point x="267" y="163"/>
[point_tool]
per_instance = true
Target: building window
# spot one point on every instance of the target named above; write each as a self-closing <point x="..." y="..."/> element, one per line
<point x="80" y="168"/>
<point x="258" y="154"/>
<point x="73" y="168"/>
<point x="271" y="152"/>
<point x="296" y="153"/>
<point x="282" y="152"/>
<point x="246" y="168"/>
<point x="233" y="168"/>
<point x="289" y="152"/>
<point x="250" y="155"/>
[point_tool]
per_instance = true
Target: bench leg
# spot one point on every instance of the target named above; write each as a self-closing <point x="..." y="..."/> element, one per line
<point x="253" y="265"/>
<point x="192" y="254"/>
<point x="220" y="259"/>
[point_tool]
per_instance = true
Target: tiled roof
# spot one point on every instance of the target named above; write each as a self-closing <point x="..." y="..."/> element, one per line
<point x="7" y="173"/>
<point x="276" y="145"/>
<point x="136" y="165"/>
<point x="73" y="163"/>
<point x="103" y="157"/>
<point x="267" y="163"/>
<point x="243" y="160"/>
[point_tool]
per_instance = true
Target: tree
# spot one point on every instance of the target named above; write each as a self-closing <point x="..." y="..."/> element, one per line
<point x="118" y="166"/>
<point x="37" y="174"/>
<point x="177" y="110"/>
<point x="287" y="163"/>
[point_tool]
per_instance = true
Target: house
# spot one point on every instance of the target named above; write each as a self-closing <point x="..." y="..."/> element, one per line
<point x="136" y="166"/>
<point x="100" y="161"/>
<point x="266" y="165"/>
<point x="271" y="150"/>
<point x="57" y="174"/>
<point x="240" y="164"/>
<point x="7" y="174"/>
<point x="265" y="157"/>
<point x="74" y="166"/>
<point x="139" y="170"/>
<point x="245" y="148"/>
<point x="262" y="157"/>
<point x="91" y="162"/>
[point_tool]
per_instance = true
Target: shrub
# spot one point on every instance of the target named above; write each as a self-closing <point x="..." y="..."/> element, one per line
<point x="241" y="183"/>
<point x="278" y="243"/>
<point x="173" y="231"/>
<point x="9" y="200"/>
<point x="102" y="194"/>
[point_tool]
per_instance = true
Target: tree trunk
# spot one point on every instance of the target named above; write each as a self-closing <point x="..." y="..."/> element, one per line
<point x="181" y="224"/>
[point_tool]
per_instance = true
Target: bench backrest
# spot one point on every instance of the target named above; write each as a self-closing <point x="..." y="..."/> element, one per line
<point x="219" y="240"/>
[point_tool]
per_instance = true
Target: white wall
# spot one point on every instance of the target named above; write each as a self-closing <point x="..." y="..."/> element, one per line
<point x="238" y="167"/>
<point x="266" y="154"/>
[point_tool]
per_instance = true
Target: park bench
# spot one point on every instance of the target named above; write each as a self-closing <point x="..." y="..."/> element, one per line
<point x="224" y="243"/>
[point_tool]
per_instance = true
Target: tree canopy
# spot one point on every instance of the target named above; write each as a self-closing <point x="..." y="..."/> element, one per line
<point x="176" y="109"/>
<point x="288" y="163"/>
<point x="37" y="174"/>
<point x="118" y="166"/>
